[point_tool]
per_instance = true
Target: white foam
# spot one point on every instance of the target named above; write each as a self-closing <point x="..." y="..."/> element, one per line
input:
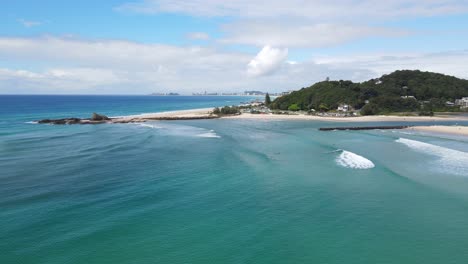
<point x="450" y="160"/>
<point x="148" y="125"/>
<point x="181" y="130"/>
<point x="210" y="134"/>
<point x="352" y="160"/>
<point x="406" y="133"/>
<point x="31" y="122"/>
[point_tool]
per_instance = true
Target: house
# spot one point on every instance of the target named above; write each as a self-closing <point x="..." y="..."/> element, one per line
<point x="343" y="108"/>
<point x="463" y="102"/>
<point x="450" y="104"/>
<point x="408" y="97"/>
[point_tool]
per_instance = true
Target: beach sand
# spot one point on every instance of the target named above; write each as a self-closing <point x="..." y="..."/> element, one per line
<point x="206" y="112"/>
<point x="379" y="118"/>
<point x="455" y="130"/>
<point x="192" y="113"/>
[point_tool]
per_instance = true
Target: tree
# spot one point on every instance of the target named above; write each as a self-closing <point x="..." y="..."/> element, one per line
<point x="294" y="107"/>
<point x="267" y="100"/>
<point x="370" y="109"/>
<point x="227" y="110"/>
<point x="323" y="107"/>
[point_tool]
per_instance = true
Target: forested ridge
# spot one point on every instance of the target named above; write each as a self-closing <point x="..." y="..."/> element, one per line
<point x="390" y="93"/>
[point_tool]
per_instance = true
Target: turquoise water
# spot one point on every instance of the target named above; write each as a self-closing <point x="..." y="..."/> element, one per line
<point x="224" y="191"/>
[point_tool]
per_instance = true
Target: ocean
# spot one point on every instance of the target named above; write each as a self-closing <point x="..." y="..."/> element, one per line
<point x="223" y="191"/>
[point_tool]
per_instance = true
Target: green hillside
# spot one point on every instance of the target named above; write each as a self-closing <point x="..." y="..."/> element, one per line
<point x="384" y="94"/>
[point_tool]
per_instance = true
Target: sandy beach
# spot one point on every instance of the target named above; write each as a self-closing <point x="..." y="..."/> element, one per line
<point x="206" y="112"/>
<point x="377" y="118"/>
<point x="455" y="130"/>
<point x="182" y="114"/>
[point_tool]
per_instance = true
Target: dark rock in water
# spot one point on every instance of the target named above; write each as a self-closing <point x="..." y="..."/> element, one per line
<point x="102" y="119"/>
<point x="98" y="117"/>
<point x="95" y="119"/>
<point x="63" y="121"/>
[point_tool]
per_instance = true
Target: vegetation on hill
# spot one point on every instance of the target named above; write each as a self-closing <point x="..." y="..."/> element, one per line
<point x="267" y="99"/>
<point x="226" y="110"/>
<point x="430" y="90"/>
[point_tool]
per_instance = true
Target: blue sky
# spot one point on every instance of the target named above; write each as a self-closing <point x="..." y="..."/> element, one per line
<point x="141" y="46"/>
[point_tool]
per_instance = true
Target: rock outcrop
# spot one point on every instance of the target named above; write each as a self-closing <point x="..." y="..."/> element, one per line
<point x="95" y="119"/>
<point x="102" y="119"/>
<point x="62" y="121"/>
<point x="98" y="117"/>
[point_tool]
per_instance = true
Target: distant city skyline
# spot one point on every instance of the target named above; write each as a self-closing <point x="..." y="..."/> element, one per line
<point x="163" y="46"/>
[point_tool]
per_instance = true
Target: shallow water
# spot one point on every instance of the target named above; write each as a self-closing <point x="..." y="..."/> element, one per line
<point x="228" y="191"/>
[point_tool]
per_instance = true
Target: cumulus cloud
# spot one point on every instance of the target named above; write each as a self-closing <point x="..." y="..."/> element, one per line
<point x="267" y="61"/>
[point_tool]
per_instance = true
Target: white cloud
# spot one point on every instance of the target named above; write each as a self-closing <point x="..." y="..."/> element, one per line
<point x="309" y="24"/>
<point x="450" y="62"/>
<point x="147" y="67"/>
<point x="311" y="9"/>
<point x="115" y="67"/>
<point x="112" y="53"/>
<point x="267" y="61"/>
<point x="29" y="23"/>
<point x="198" y="36"/>
<point x="59" y="80"/>
<point x="298" y="35"/>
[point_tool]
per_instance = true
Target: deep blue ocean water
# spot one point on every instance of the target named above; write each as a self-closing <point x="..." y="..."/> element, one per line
<point x="223" y="191"/>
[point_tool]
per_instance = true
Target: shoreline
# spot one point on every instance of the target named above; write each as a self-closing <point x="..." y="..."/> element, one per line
<point x="452" y="130"/>
<point x="197" y="113"/>
<point x="376" y="118"/>
<point x="207" y="113"/>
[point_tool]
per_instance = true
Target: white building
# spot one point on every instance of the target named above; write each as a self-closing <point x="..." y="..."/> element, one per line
<point x="448" y="103"/>
<point x="344" y="108"/>
<point x="463" y="102"/>
<point x="408" y="97"/>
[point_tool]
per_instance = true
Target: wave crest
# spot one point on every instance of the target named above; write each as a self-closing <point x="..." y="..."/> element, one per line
<point x="450" y="160"/>
<point x="181" y="130"/>
<point x="352" y="160"/>
<point x="210" y="134"/>
<point x="148" y="125"/>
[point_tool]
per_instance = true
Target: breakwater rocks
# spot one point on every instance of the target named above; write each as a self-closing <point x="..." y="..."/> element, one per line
<point x="102" y="119"/>
<point x="362" y="128"/>
<point x="95" y="119"/>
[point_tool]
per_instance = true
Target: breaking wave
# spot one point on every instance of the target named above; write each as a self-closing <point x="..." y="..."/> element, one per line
<point x="181" y="130"/>
<point x="148" y="125"/>
<point x="352" y="160"/>
<point x="210" y="134"/>
<point x="450" y="160"/>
